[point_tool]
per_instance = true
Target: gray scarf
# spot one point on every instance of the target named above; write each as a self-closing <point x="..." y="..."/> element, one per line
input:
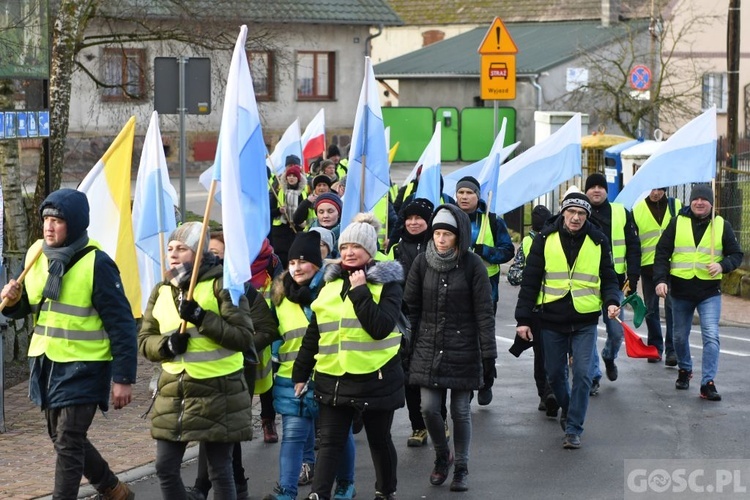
<point x="292" y="202"/>
<point x="58" y="258"/>
<point x="440" y="262"/>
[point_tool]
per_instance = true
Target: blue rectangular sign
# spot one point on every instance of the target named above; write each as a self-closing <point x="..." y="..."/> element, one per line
<point x="32" y="120"/>
<point x="2" y="125"/>
<point x="21" y="128"/>
<point x="10" y="125"/>
<point x="44" y="124"/>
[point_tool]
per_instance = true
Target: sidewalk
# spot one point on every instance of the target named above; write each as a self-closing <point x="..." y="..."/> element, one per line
<point x="27" y="460"/>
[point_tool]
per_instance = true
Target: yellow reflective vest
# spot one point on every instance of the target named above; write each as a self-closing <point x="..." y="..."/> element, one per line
<point x="690" y="261"/>
<point x="292" y="327"/>
<point x="68" y="329"/>
<point x="344" y="346"/>
<point x="489" y="240"/>
<point x="380" y="211"/>
<point x="582" y="282"/>
<point x="617" y="238"/>
<point x="204" y="357"/>
<point x="649" y="231"/>
<point x="526" y="245"/>
<point x="264" y="368"/>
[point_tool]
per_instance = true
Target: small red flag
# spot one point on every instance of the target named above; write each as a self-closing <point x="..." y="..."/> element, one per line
<point x="635" y="347"/>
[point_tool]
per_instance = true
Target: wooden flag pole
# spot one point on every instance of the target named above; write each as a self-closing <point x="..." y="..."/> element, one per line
<point x="199" y="253"/>
<point x="25" y="271"/>
<point x="713" y="218"/>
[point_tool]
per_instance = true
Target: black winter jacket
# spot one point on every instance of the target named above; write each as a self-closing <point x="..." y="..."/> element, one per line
<point x="452" y="319"/>
<point x="561" y="315"/>
<point x="379" y="390"/>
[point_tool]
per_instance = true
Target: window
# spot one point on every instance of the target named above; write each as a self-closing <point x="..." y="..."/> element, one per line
<point x="124" y="70"/>
<point x="261" y="68"/>
<point x="315" y="76"/>
<point x="714" y="91"/>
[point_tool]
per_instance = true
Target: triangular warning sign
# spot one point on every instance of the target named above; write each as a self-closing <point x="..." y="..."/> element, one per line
<point x="497" y="40"/>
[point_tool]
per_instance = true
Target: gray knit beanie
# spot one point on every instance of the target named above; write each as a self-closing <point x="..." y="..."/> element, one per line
<point x="363" y="231"/>
<point x="189" y="233"/>
<point x="444" y="219"/>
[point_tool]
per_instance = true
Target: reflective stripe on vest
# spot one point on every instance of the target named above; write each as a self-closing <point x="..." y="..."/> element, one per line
<point x="281" y="201"/>
<point x="344" y="346"/>
<point x="617" y="237"/>
<point x="689" y="261"/>
<point x="583" y="281"/>
<point x="649" y="231"/>
<point x="68" y="329"/>
<point x="264" y="368"/>
<point x="292" y="327"/>
<point x="204" y="358"/>
<point x="489" y="241"/>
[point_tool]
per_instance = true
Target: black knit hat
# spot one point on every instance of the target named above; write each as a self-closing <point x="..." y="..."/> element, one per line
<point x="470" y="183"/>
<point x="702" y="191"/>
<point x="539" y="216"/>
<point x="292" y="160"/>
<point x="596" y="179"/>
<point x="578" y="200"/>
<point x="321" y="179"/>
<point x="333" y="150"/>
<point x="306" y="246"/>
<point x="420" y="207"/>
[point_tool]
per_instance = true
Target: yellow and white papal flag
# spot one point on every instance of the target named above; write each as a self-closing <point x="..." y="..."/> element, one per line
<point x="107" y="187"/>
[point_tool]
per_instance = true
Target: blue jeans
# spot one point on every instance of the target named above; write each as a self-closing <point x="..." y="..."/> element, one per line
<point x="709" y="311"/>
<point x="664" y="345"/>
<point x="612" y="344"/>
<point x="432" y="402"/>
<point x="581" y="344"/>
<point x="297" y="445"/>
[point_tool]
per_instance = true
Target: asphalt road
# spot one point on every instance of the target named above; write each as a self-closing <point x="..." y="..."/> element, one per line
<point x="516" y="451"/>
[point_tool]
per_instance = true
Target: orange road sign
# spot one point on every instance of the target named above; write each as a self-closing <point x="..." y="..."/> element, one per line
<point x="497" y="40"/>
<point x="498" y="77"/>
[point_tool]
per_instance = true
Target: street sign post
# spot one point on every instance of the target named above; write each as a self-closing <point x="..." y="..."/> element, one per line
<point x="497" y="75"/>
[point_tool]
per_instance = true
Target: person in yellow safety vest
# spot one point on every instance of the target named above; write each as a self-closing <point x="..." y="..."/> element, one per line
<point x="352" y="344"/>
<point x="496" y="248"/>
<point x="305" y="214"/>
<point x="202" y="392"/>
<point x="547" y="401"/>
<point x="568" y="276"/>
<point x="293" y="293"/>
<point x="342" y="164"/>
<point x="616" y="222"/>
<point x="84" y="339"/>
<point x="692" y="255"/>
<point x="266" y="327"/>
<point x="284" y="202"/>
<point x="327" y="208"/>
<point x="651" y="215"/>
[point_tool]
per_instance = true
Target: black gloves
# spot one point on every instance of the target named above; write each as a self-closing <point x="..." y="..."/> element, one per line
<point x="191" y="312"/>
<point x="177" y="344"/>
<point x="489" y="372"/>
<point x="632" y="283"/>
<point x="479" y="250"/>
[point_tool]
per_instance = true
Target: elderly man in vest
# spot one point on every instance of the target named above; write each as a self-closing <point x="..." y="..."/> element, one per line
<point x="617" y="225"/>
<point x="568" y="277"/>
<point x="693" y="253"/>
<point x="84" y="338"/>
<point x="651" y="215"/>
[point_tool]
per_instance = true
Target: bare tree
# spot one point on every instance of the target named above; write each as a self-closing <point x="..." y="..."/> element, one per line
<point x="675" y="83"/>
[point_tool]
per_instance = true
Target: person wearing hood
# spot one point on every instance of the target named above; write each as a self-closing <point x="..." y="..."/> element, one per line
<point x="616" y="222"/>
<point x="547" y="402"/>
<point x="569" y="276"/>
<point x="453" y="336"/>
<point x="84" y="339"/>
<point x="694" y="252"/>
<point x="202" y="391"/>
<point x="496" y="246"/>
<point x="284" y="204"/>
<point x="352" y="344"/>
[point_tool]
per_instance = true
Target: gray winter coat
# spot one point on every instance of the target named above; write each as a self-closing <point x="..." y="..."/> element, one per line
<point x="452" y="318"/>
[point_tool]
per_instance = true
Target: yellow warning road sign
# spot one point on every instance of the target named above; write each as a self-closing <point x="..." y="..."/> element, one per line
<point x="497" y="40"/>
<point x="498" y="77"/>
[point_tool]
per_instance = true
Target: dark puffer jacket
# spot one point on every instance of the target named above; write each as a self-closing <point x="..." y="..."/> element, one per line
<point x="382" y="389"/>
<point x="452" y="320"/>
<point x="214" y="409"/>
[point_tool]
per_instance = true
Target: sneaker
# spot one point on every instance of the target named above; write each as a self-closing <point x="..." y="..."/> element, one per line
<point x="564" y="420"/>
<point x="442" y="466"/>
<point x="280" y="493"/>
<point x="306" y="474"/>
<point x="572" y="441"/>
<point x="269" y="431"/>
<point x="708" y="391"/>
<point x="552" y="406"/>
<point x="671" y="360"/>
<point x="383" y="496"/>
<point x="683" y="380"/>
<point x="484" y="396"/>
<point x="594" y="387"/>
<point x="313" y="496"/>
<point x="611" y="369"/>
<point x="460" y="479"/>
<point x="344" y="490"/>
<point x="418" y="438"/>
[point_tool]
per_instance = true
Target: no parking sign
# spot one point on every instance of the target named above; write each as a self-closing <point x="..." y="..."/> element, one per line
<point x="640" y="77"/>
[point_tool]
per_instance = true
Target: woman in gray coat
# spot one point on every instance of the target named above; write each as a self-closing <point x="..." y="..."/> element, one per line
<point x="453" y="346"/>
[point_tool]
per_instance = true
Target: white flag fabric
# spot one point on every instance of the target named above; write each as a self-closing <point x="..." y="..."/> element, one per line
<point x="688" y="156"/>
<point x="289" y="144"/>
<point x="429" y="180"/>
